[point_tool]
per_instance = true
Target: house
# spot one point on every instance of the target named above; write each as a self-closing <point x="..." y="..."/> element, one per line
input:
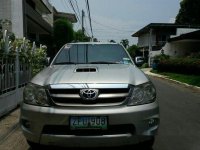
<point x="26" y="17"/>
<point x="57" y="15"/>
<point x="153" y="37"/>
<point x="32" y="19"/>
<point x="183" y="45"/>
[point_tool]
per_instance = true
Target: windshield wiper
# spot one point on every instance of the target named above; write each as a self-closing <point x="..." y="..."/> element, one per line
<point x="102" y="62"/>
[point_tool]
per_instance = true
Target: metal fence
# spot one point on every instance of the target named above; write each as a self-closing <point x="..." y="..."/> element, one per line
<point x="7" y="75"/>
<point x="13" y="72"/>
<point x="14" y="75"/>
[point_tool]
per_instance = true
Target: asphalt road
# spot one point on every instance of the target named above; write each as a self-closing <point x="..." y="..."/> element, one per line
<point x="180" y="117"/>
<point x="179" y="126"/>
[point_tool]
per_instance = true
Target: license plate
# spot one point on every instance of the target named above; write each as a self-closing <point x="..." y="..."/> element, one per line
<point x="80" y="122"/>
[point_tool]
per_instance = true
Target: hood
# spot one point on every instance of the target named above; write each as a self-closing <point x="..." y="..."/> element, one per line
<point x="105" y="73"/>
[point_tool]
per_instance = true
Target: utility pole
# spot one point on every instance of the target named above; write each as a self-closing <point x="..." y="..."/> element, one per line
<point x="150" y="46"/>
<point x="83" y="15"/>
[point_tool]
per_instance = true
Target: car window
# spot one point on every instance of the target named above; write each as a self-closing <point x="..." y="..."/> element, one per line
<point x="106" y="53"/>
<point x="96" y="53"/>
<point x="71" y="54"/>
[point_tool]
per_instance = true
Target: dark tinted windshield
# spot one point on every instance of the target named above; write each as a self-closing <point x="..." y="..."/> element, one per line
<point x="92" y="54"/>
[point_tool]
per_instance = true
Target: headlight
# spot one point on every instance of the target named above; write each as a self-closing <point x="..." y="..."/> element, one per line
<point x="35" y="95"/>
<point x="142" y="94"/>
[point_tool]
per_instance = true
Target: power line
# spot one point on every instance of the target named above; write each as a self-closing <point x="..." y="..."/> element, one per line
<point x="78" y="8"/>
<point x="88" y="10"/>
<point x="65" y="4"/>
<point x="110" y="26"/>
<point x="71" y="4"/>
<point x="110" y="31"/>
<point x="85" y="22"/>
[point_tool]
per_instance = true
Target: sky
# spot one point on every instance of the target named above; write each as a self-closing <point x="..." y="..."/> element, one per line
<point x="119" y="19"/>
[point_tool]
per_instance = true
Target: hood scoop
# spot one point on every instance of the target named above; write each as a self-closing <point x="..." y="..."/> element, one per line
<point x="86" y="70"/>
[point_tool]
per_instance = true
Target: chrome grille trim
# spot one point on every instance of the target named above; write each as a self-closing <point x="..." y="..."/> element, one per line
<point x="69" y="94"/>
<point x="66" y="95"/>
<point x="100" y="96"/>
<point x="91" y="86"/>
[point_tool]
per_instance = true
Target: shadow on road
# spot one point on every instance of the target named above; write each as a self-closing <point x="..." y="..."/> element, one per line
<point x="135" y="147"/>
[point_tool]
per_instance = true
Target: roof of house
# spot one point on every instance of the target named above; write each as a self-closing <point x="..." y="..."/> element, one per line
<point x="44" y="5"/>
<point x="161" y="26"/>
<point x="71" y="17"/>
<point x="192" y="35"/>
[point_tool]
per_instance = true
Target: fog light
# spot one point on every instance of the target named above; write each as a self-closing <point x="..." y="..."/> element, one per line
<point x="153" y="121"/>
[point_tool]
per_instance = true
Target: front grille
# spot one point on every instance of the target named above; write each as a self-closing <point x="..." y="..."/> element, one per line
<point x="63" y="101"/>
<point x="71" y="96"/>
<point x="112" y="130"/>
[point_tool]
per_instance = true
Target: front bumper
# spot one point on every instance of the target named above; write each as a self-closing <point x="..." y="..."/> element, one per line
<point x="144" y="119"/>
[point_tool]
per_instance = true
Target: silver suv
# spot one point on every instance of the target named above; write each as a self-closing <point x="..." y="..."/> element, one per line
<point x="91" y="95"/>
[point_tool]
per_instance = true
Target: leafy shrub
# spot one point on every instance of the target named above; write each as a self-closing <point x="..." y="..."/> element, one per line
<point x="161" y="57"/>
<point x="145" y="65"/>
<point x="38" y="60"/>
<point x="189" y="66"/>
<point x="34" y="57"/>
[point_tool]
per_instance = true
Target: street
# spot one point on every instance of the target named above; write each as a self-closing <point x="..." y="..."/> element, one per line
<point x="179" y="125"/>
<point x="179" y="114"/>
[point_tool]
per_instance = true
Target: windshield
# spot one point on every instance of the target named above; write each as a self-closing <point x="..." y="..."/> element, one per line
<point x="92" y="54"/>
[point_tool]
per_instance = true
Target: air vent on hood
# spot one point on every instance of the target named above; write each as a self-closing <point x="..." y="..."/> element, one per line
<point x="86" y="70"/>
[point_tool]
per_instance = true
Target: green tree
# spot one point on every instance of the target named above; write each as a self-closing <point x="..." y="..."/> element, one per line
<point x="81" y="37"/>
<point x="63" y="32"/>
<point x="125" y="43"/>
<point x="134" y="51"/>
<point x="189" y="12"/>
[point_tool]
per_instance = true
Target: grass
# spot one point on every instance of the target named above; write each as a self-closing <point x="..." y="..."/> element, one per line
<point x="189" y="79"/>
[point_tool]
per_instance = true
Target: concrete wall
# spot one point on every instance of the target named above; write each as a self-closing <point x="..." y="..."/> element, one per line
<point x="10" y="100"/>
<point x="181" y="48"/>
<point x="17" y="18"/>
<point x="154" y="53"/>
<point x="180" y="31"/>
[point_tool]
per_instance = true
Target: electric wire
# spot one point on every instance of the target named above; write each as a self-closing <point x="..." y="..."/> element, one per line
<point x="72" y="6"/>
<point x="110" y="27"/>
<point x="78" y="8"/>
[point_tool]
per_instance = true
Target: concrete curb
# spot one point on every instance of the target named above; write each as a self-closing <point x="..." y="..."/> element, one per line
<point x="175" y="81"/>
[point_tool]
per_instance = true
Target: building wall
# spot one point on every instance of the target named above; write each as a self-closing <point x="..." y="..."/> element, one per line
<point x="143" y="40"/>
<point x="5" y="14"/>
<point x="181" y="48"/>
<point x="15" y="11"/>
<point x="17" y="18"/>
<point x="180" y="31"/>
<point x="48" y="17"/>
<point x="5" y="9"/>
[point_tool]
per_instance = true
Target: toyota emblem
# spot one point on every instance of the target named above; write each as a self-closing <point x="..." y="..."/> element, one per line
<point x="89" y="94"/>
